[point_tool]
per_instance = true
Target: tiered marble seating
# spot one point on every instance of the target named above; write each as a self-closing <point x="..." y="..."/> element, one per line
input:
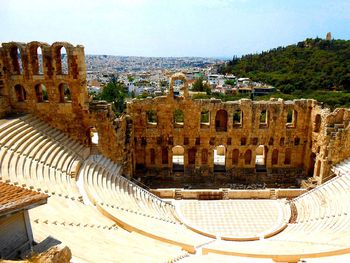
<point x="35" y="155"/>
<point x="129" y="205"/>
<point x="95" y="238"/>
<point x="321" y="228"/>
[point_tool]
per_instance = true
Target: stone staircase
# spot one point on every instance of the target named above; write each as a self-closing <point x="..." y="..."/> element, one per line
<point x="178" y="195"/>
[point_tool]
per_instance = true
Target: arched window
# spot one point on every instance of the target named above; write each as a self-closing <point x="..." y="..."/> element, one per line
<point x="271" y="141"/>
<point x="20" y="92"/>
<point x="93" y="136"/>
<point x="40" y="61"/>
<point x="152" y="156"/>
<point x="192" y="156"/>
<point x="178" y="158"/>
<point x="16" y="60"/>
<point x="178" y="118"/>
<point x="36" y="60"/>
<point x="317" y="123"/>
<point x="274" y="160"/>
<point x="287" y="157"/>
<point x="204" y="156"/>
<point x="41" y="93"/>
<point x="248" y="157"/>
<point x="64" y="92"/>
<point x="61" y="58"/>
<point x="221" y="120"/>
<point x="235" y="156"/>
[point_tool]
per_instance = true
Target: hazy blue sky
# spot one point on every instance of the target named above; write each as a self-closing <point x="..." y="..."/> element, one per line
<point x="173" y="27"/>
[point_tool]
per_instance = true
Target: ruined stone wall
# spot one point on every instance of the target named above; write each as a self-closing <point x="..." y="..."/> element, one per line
<point x="331" y="139"/>
<point x="278" y="137"/>
<point x="38" y="82"/>
<point x="54" y="94"/>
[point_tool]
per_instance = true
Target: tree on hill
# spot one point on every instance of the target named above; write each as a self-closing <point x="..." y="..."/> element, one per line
<point x="314" y="64"/>
<point x="198" y="85"/>
<point x="114" y="92"/>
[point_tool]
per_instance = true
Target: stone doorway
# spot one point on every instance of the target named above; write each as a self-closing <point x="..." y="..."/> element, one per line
<point x="178" y="158"/>
<point x="219" y="158"/>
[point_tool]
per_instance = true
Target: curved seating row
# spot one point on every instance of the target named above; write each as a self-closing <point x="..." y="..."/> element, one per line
<point x="133" y="207"/>
<point x="322" y="227"/>
<point x="35" y="155"/>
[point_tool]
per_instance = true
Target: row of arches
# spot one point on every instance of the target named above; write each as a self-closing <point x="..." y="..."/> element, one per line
<point x="219" y="157"/>
<point x="221" y="119"/>
<point x="41" y="93"/>
<point x="33" y="57"/>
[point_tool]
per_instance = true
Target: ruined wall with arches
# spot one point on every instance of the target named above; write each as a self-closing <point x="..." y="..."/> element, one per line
<point x="282" y="138"/>
<point x="49" y="81"/>
<point x="46" y="80"/>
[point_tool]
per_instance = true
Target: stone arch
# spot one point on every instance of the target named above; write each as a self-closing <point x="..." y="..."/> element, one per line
<point x="263" y="118"/>
<point x="182" y="77"/>
<point x="16" y="54"/>
<point x="260" y="156"/>
<point x="205" y="119"/>
<point x="288" y="156"/>
<point x="61" y="54"/>
<point x="192" y="156"/>
<point x="221" y="120"/>
<point x="64" y="93"/>
<point x="292" y="117"/>
<point x="235" y="156"/>
<point x="317" y="124"/>
<point x="248" y="157"/>
<point x="20" y="93"/>
<point x="36" y="56"/>
<point x="41" y="93"/>
<point x="178" y="158"/>
<point x="274" y="158"/>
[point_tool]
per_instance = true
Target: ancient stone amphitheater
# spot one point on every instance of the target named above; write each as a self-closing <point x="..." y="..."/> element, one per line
<point x="48" y="143"/>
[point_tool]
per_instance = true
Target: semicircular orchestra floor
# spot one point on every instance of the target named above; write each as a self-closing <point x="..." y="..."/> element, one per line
<point x="235" y="219"/>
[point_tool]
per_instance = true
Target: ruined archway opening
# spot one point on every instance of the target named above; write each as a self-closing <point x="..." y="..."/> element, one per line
<point x="20" y="93"/>
<point x="16" y="60"/>
<point x="61" y="58"/>
<point x="221" y="121"/>
<point x="93" y="136"/>
<point x="64" y="93"/>
<point x="178" y="158"/>
<point x="40" y="63"/>
<point x="292" y="116"/>
<point x="219" y="158"/>
<point x="41" y="93"/>
<point x="260" y="158"/>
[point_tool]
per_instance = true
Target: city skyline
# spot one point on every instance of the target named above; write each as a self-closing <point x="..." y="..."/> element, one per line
<point x="217" y="28"/>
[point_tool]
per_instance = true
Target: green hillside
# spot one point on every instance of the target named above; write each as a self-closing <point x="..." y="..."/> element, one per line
<point x="308" y="69"/>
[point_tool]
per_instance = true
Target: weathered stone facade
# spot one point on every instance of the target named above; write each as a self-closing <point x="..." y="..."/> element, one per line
<point x="293" y="138"/>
